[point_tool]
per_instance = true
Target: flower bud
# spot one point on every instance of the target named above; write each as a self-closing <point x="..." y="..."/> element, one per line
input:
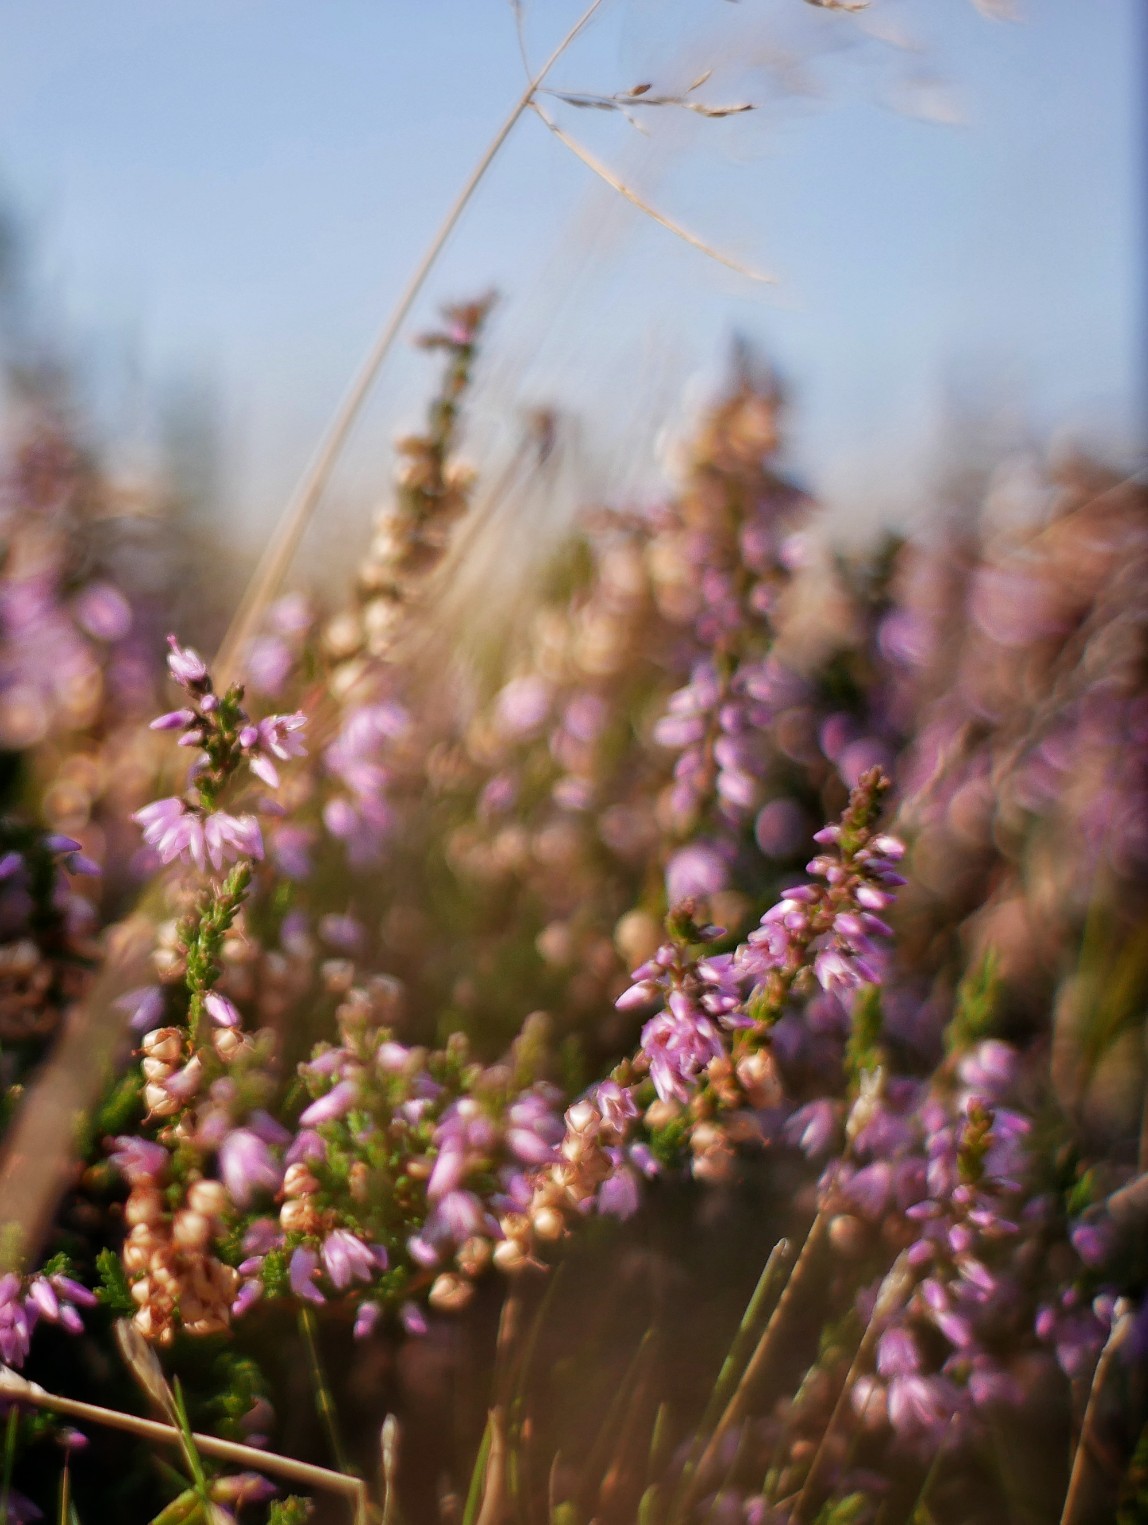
<point x="299" y="1180"/>
<point x="160" y="1102"/>
<point x="208" y="1198"/>
<point x="509" y="1256"/>
<point x="757" y="1073"/>
<point x="297" y="1216"/>
<point x="144" y="1206"/>
<point x="164" y="1044"/>
<point x="474" y="1256"/>
<point x="190" y="1230"/>
<point x="228" y="1042"/>
<point x="848" y="1235"/>
<point x="583" y="1117"/>
<point x="548" y="1223"/>
<point x="156" y="1070"/>
<point x="450" y="1293"/>
<point x="135" y="1257"/>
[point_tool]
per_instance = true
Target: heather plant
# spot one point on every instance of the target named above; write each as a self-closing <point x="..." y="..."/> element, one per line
<point x="963" y="1243"/>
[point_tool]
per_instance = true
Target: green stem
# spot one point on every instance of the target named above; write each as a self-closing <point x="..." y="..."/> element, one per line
<point x="324" y="1399"/>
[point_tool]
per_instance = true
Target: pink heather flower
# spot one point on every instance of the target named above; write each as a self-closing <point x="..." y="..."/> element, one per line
<point x="174" y="720"/>
<point x="338" y="1101"/>
<point x="145" y="1006"/>
<point x="679" y="1044"/>
<point x="273" y="737"/>
<point x="138" y="1159"/>
<point x="103" y="611"/>
<point x="346" y="1258"/>
<point x="173" y="829"/>
<point x="616" y="1104"/>
<point x="74" y="1291"/>
<point x="366" y="1318"/>
<point x="184" y="1084"/>
<point x="247" y="1166"/>
<point x="220" y="1009"/>
<point x="231" y="836"/>
<point x="177" y="831"/>
<point x="459" y="1215"/>
<point x="897" y="1353"/>
<point x="448" y="1172"/>
<point x="301" y="1272"/>
<point x="618" y="1194"/>
<point x="413" y="1319"/>
<point x="699" y="869"/>
<point x="921" y="1407"/>
<point x="186" y="665"/>
<point x="43" y="1295"/>
<point x="15" y="1322"/>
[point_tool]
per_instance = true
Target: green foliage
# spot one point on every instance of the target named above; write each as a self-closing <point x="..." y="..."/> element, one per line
<point x="113" y="1291"/>
<point x="121" y="1108"/>
<point x="274" y="1273"/>
<point x="975" y="1010"/>
<point x="292" y="1510"/>
<point x="843" y="1511"/>
<point x="203" y="934"/>
<point x="669" y="1143"/>
<point x="863" y="1051"/>
<point x="237" y="1384"/>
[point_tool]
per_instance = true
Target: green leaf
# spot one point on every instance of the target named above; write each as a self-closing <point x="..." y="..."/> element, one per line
<point x="114" y="1291"/>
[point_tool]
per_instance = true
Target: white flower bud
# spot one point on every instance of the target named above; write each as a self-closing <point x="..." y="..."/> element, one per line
<point x="208" y="1198"/>
<point x="450" y="1293"/>
<point x="299" y="1181"/>
<point x="190" y="1230"/>
<point x="160" y="1103"/>
<point x="164" y="1044"/>
<point x="548" y="1224"/>
<point x="509" y="1256"/>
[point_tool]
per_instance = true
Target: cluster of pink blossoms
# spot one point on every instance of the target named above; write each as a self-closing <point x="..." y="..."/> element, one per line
<point x="191" y="826"/>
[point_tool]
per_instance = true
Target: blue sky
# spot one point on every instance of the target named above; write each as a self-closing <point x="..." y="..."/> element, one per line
<point x="232" y="192"/>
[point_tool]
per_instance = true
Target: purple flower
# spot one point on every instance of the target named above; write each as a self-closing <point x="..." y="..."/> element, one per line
<point x="412" y="1318"/>
<point x="815" y="1127"/>
<point x="366" y="1317"/>
<point x="220" y="1009"/>
<point x="618" y="1193"/>
<point x="174" y="720"/>
<point x="187" y="667"/>
<point x="301" y="1272"/>
<point x="897" y="1353"/>
<point x="16" y="1322"/>
<point x="273" y="737"/>
<point x="138" y="1159"/>
<point x="346" y="1258"/>
<point x="229" y="836"/>
<point x="679" y="1043"/>
<point x="247" y="1166"/>
<point x="616" y="1104"/>
<point x="699" y="869"/>
<point x="920" y="1408"/>
<point x="338" y="1101"/>
<point x="457" y="1216"/>
<point x="168" y="826"/>
<point x="146" y="1006"/>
